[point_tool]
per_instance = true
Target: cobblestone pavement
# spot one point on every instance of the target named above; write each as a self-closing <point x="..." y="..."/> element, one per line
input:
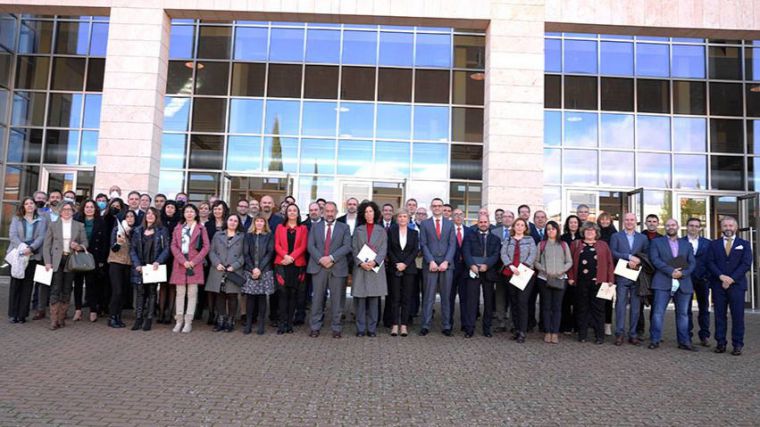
<point x="88" y="374"/>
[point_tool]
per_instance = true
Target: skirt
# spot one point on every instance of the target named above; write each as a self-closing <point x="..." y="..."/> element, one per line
<point x="264" y="285"/>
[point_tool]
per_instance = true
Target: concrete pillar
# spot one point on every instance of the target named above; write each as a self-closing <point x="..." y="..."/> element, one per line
<point x="514" y="105"/>
<point x="134" y="85"/>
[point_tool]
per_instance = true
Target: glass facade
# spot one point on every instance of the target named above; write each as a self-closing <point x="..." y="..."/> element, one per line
<point x="671" y="115"/>
<point x="324" y="105"/>
<point x="51" y="80"/>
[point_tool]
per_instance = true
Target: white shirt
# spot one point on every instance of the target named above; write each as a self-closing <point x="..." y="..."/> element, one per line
<point x="402" y="238"/>
<point x="694" y="244"/>
<point x="351" y="222"/>
<point x="386" y="224"/>
<point x="66" y="225"/>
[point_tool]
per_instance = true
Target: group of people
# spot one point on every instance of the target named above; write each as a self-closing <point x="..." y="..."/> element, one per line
<point x="265" y="257"/>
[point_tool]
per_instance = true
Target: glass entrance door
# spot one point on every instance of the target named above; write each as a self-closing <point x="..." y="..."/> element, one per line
<point x="635" y="204"/>
<point x="692" y="206"/>
<point x="239" y="187"/>
<point x="749" y="210"/>
<point x="80" y="181"/>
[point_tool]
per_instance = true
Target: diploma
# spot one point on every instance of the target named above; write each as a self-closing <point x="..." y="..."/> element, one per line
<point x="606" y="291"/>
<point x="622" y="270"/>
<point x="149" y="275"/>
<point x="520" y="281"/>
<point x="43" y="276"/>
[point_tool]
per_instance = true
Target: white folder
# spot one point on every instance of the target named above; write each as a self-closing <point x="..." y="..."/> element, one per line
<point x="521" y="281"/>
<point x="606" y="291"/>
<point x="149" y="275"/>
<point x="622" y="270"/>
<point x="42" y="276"/>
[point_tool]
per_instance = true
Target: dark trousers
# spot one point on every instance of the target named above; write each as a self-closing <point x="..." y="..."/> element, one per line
<point x="255" y="307"/>
<point x="400" y="296"/>
<point x="569" y="322"/>
<point x="459" y="287"/>
<point x="89" y="285"/>
<point x="274" y="301"/>
<point x="416" y="301"/>
<point x="532" y="298"/>
<point x="146" y="300"/>
<point x="226" y="304"/>
<point x="519" y="301"/>
<point x="590" y="309"/>
<point x="641" y="325"/>
<point x="286" y="300"/>
<point x="62" y="284"/>
<point x="104" y="282"/>
<point x="470" y="312"/>
<point x="78" y="290"/>
<point x="120" y="283"/>
<point x="723" y="300"/>
<point x="551" y="307"/>
<point x="302" y="300"/>
<point x="608" y="312"/>
<point x="20" y="293"/>
<point x="702" y="292"/>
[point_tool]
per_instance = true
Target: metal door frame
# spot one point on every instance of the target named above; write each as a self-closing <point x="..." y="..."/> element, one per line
<point x="749" y="224"/>
<point x="46" y="170"/>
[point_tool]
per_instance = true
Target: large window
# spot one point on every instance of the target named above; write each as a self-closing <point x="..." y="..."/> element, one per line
<point x="657" y="112"/>
<point x="323" y="102"/>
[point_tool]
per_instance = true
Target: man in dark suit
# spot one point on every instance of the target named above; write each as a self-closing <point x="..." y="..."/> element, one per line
<point x="349" y="218"/>
<point x="315" y="215"/>
<point x="501" y="296"/>
<point x="387" y="216"/>
<point x="459" y="282"/>
<point x="523" y="211"/>
<point x="652" y="223"/>
<point x="625" y="244"/>
<point x="673" y="260"/>
<point x="729" y="260"/>
<point x="699" y="279"/>
<point x="133" y="203"/>
<point x="328" y="247"/>
<point x="439" y="245"/>
<point x="481" y="252"/>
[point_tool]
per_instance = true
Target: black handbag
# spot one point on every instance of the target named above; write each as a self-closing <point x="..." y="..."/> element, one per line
<point x="80" y="262"/>
<point x="235" y="278"/>
<point x="555" y="283"/>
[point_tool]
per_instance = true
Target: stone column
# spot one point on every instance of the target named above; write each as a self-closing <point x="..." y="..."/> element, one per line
<point x="514" y="105"/>
<point x="131" y="122"/>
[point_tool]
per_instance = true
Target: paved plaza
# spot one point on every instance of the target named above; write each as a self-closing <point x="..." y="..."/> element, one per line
<point x="89" y="374"/>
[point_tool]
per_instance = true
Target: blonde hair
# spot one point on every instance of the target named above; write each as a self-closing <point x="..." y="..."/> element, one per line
<point x="252" y="228"/>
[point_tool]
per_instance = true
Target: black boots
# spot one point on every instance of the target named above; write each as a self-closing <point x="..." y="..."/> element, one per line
<point x="220" y="324"/>
<point x="149" y="309"/>
<point x="138" y="324"/>
<point x="115" y="322"/>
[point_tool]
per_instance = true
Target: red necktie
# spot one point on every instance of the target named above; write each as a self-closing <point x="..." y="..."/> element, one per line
<point x="459" y="236"/>
<point x="328" y="238"/>
<point x="438" y="228"/>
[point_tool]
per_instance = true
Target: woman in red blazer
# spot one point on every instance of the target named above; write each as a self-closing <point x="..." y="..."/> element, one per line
<point x="289" y="265"/>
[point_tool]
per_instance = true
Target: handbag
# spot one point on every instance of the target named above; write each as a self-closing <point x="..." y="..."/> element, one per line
<point x="80" y="262"/>
<point x="235" y="278"/>
<point x="555" y="283"/>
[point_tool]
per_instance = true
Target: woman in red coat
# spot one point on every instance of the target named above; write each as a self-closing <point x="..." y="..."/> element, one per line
<point x="290" y="265"/>
<point x="189" y="247"/>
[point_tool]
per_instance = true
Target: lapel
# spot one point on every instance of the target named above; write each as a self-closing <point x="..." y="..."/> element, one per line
<point x="319" y="229"/>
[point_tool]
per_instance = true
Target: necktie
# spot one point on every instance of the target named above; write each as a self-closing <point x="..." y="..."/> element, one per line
<point x="328" y="238"/>
<point x="438" y="228"/>
<point x="387" y="226"/>
<point x="459" y="236"/>
<point x="483" y="243"/>
<point x="729" y="242"/>
<point x="541" y="234"/>
<point x="506" y="233"/>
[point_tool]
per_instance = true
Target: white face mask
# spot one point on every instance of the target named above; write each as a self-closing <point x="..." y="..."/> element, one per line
<point x="68" y="200"/>
<point x="114" y="195"/>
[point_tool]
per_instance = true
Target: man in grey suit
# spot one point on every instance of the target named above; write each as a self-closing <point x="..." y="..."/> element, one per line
<point x="625" y="245"/>
<point x="329" y="246"/>
<point x="439" y="245"/>
<point x="501" y="296"/>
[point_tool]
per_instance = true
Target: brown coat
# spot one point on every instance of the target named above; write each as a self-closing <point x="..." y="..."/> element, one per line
<point x="605" y="269"/>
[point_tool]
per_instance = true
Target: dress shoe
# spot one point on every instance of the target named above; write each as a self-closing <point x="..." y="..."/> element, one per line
<point x="687" y="347"/>
<point x="581" y="340"/>
<point x="468" y="334"/>
<point x="619" y="340"/>
<point x="247" y="329"/>
<point x="634" y="341"/>
<point x="13" y="320"/>
<point x="39" y="315"/>
<point x="147" y="324"/>
<point x="599" y="341"/>
<point x="289" y="330"/>
<point x="447" y="332"/>
<point x="520" y="339"/>
<point x="360" y="334"/>
<point x="424" y="331"/>
<point x="337" y="335"/>
<point x="280" y="331"/>
<point x="737" y="351"/>
<point x="720" y="349"/>
<point x="372" y="334"/>
<point x="654" y="345"/>
<point x="704" y="342"/>
<point x="314" y="333"/>
<point x="487" y="334"/>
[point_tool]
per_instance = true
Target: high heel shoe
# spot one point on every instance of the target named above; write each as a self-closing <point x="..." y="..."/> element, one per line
<point x="77" y="315"/>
